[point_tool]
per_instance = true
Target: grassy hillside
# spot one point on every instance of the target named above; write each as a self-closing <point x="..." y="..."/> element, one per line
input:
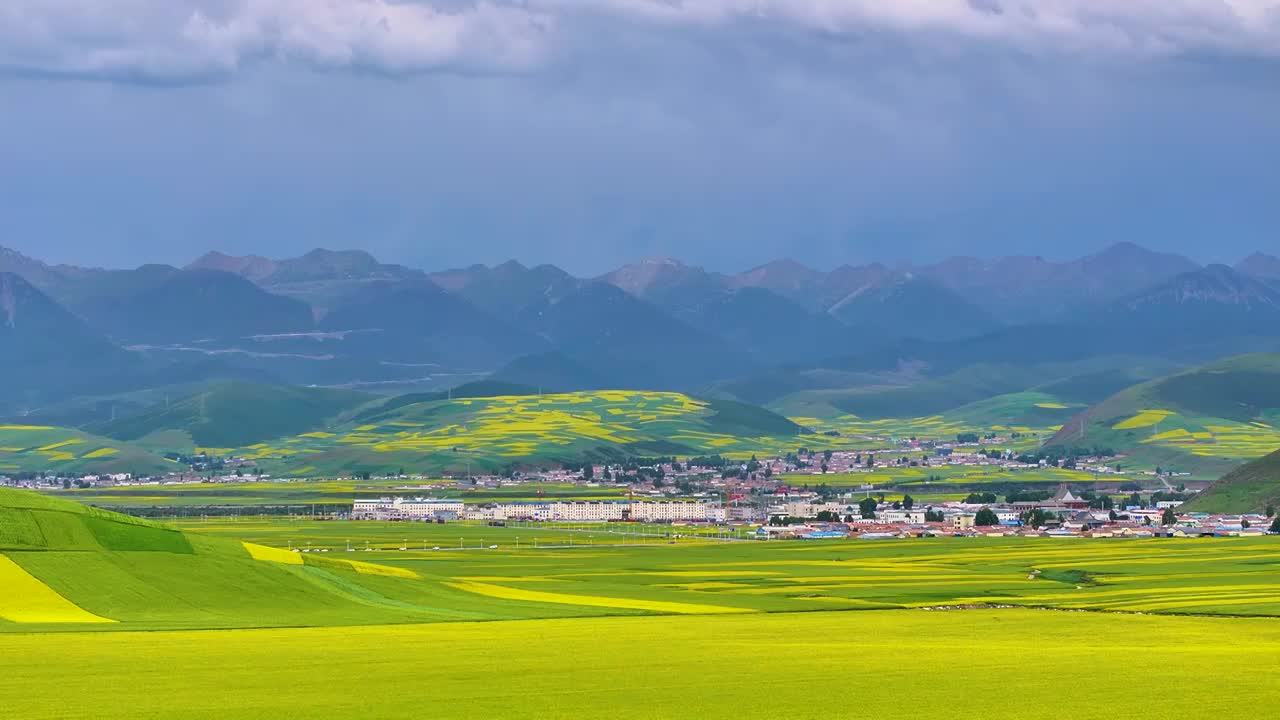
<point x="1205" y="420"/>
<point x="915" y="391"/>
<point x="1252" y="487"/>
<point x="41" y="448"/>
<point x="490" y="432"/>
<point x="233" y="414"/>
<point x="81" y="568"/>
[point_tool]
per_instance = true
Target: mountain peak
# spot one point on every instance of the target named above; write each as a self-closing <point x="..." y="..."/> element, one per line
<point x="652" y="274"/>
<point x="1260" y="265"/>
<point x="1131" y="252"/>
<point x="1213" y="285"/>
<point x="253" y="267"/>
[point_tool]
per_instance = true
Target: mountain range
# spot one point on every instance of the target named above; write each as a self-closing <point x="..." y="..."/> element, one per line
<point x="345" y="318"/>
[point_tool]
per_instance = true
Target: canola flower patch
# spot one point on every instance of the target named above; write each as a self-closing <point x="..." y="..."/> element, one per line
<point x="25" y="599"/>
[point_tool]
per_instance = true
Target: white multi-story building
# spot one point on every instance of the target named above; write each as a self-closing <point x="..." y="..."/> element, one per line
<point x="406" y="509"/>
<point x="677" y="510"/>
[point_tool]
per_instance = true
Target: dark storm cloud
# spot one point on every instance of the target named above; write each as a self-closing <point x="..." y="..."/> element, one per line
<point x="725" y="133"/>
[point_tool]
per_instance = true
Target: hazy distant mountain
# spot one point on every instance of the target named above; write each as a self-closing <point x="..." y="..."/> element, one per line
<point x="1212" y="302"/>
<point x="1260" y="265"/>
<point x="627" y="340"/>
<point x="665" y="281"/>
<point x="850" y="281"/>
<point x="33" y="271"/>
<point x="1021" y="288"/>
<point x="1012" y="289"/>
<point x="550" y="372"/>
<point x="170" y="306"/>
<point x="43" y="345"/>
<point x="322" y="278"/>
<point x="252" y="267"/>
<point x="752" y="319"/>
<point x="786" y="277"/>
<point x="914" y="308"/>
<point x="417" y="321"/>
<point x="315" y="266"/>
<point x="506" y="290"/>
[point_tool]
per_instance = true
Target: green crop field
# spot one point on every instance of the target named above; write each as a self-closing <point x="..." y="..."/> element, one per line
<point x="321" y="493"/>
<point x="887" y="665"/>
<point x="147" y="576"/>
<point x="238" y="626"/>
<point x="494" y="431"/>
<point x="304" y="531"/>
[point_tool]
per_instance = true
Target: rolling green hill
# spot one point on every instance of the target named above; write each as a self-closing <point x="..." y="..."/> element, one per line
<point x="433" y="434"/>
<point x="1252" y="487"/>
<point x="1204" y="420"/>
<point x="42" y="448"/>
<point x="234" y="414"/>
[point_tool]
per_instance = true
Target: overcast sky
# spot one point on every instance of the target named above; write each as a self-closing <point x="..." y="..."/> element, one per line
<point x="588" y="133"/>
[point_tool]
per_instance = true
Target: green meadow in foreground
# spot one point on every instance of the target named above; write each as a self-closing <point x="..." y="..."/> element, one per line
<point x="238" y="627"/>
<point x="885" y="665"/>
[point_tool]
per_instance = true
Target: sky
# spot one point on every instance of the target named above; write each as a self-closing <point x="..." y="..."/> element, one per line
<point x="441" y="133"/>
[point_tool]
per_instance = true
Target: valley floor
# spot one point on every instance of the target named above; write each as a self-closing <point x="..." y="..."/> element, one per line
<point x="881" y="664"/>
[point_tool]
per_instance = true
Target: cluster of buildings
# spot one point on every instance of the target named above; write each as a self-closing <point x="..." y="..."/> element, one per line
<point x="432" y="509"/>
<point x="1086" y="526"/>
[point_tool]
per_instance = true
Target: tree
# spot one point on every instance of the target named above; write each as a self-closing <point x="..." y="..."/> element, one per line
<point x="1271" y="511"/>
<point x="1113" y="515"/>
<point x="1168" y="518"/>
<point x="588" y="471"/>
<point x="768" y="471"/>
<point x="986" y="516"/>
<point x="1035" y="518"/>
<point x="1275" y="526"/>
<point x="828" y="516"/>
<point x="868" y="508"/>
<point x="908" y="502"/>
<point x="931" y="515"/>
<point x="1245" y="524"/>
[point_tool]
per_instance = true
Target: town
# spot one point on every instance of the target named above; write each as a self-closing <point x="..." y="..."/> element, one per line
<point x="805" y="495"/>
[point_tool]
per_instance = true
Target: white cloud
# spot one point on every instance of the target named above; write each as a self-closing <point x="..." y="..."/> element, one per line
<point x="1248" y="26"/>
<point x="189" y="39"/>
